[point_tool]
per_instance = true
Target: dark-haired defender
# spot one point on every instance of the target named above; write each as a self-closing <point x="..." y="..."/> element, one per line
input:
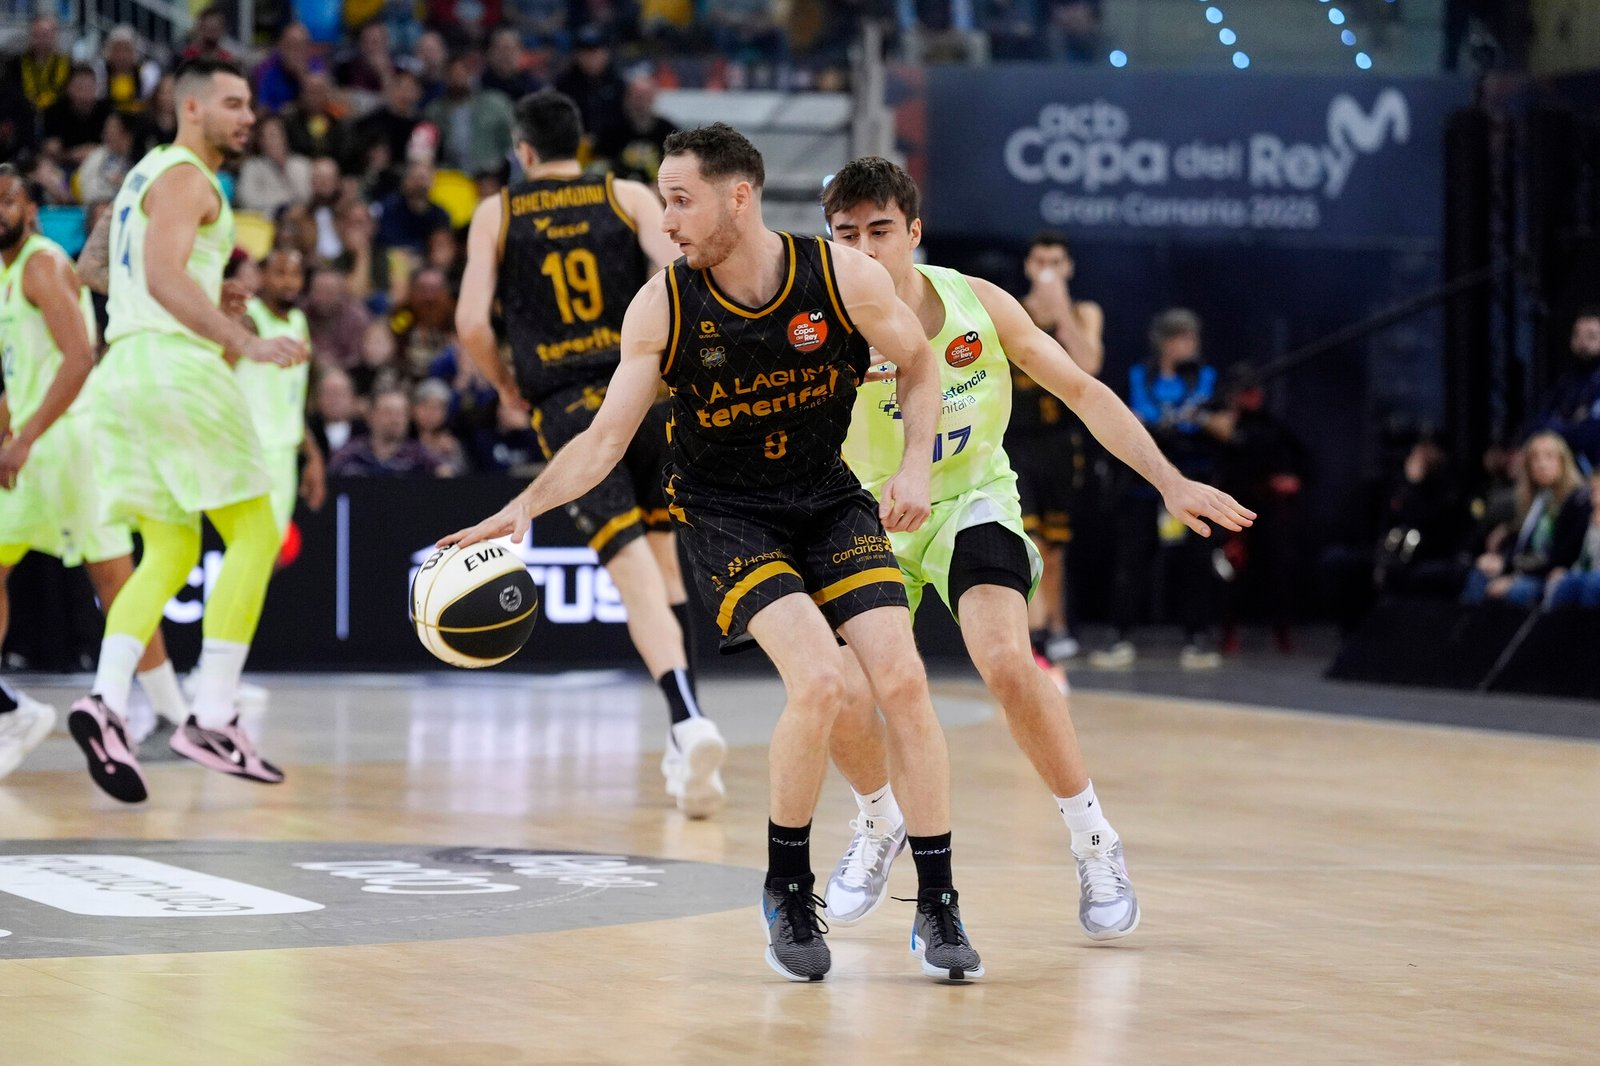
<point x="974" y="550"/>
<point x="558" y="256"/>
<point x="173" y="432"/>
<point x="762" y="337"/>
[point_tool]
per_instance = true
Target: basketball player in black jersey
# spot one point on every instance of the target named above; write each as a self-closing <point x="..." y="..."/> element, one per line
<point x="558" y="255"/>
<point x="762" y="337"/>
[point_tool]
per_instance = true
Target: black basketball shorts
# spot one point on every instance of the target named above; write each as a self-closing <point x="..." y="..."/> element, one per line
<point x="748" y="551"/>
<point x="1046" y="472"/>
<point x="630" y="502"/>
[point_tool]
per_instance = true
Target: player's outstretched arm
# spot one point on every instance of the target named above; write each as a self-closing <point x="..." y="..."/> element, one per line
<point x="892" y="328"/>
<point x="589" y="456"/>
<point x="644" y="207"/>
<point x="478" y="283"/>
<point x="1108" y="418"/>
<point x="178" y="203"/>
<point x="50" y="283"/>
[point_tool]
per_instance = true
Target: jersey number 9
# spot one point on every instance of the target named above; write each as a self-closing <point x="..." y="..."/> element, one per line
<point x="576" y="280"/>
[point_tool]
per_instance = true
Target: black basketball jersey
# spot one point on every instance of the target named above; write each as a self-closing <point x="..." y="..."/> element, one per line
<point x="570" y="263"/>
<point x="761" y="397"/>
<point x="1035" y="409"/>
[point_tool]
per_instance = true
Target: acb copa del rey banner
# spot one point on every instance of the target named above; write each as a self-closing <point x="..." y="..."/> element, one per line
<point x="1125" y="154"/>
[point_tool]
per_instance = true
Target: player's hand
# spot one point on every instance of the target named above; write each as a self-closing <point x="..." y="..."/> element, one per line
<point x="512" y="520"/>
<point x="234" y="297"/>
<point x="1190" y="501"/>
<point x="906" y="501"/>
<point x="314" y="484"/>
<point x="279" y="351"/>
<point x="13" y="455"/>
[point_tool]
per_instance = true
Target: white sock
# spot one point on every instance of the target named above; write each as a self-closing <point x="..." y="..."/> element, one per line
<point x="160" y="683"/>
<point x="217" y="681"/>
<point x="119" y="658"/>
<point x="880" y="804"/>
<point x="1084" y="815"/>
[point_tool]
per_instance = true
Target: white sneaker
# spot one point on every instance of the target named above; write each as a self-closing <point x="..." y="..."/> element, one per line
<point x="1060" y="649"/>
<point x="141" y="716"/>
<point x="1119" y="656"/>
<point x="22" y="730"/>
<point x="250" y="702"/>
<point x="692" y="765"/>
<point x="1199" y="657"/>
<point x="1107" y="906"/>
<point x="861" y="883"/>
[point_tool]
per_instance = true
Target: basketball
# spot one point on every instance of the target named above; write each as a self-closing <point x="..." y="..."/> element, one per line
<point x="473" y="606"/>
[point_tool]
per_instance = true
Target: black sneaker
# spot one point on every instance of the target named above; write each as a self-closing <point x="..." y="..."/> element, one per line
<point x="939" y="940"/>
<point x="795" y="947"/>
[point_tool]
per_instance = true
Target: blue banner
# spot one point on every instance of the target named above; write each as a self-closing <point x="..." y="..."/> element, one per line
<point x="1013" y="148"/>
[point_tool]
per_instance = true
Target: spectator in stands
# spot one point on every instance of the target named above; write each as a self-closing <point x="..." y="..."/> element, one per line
<point x="425" y="323"/>
<point x="387" y="449"/>
<point x="369" y="67"/>
<point x="593" y="83"/>
<point x="1014" y="29"/>
<point x="1579" y="585"/>
<point x="1547" y="534"/>
<point x="1571" y="405"/>
<point x="19" y="122"/>
<point x="205" y="39"/>
<point x="314" y="122"/>
<point x="161" y="117"/>
<point x="389" y="126"/>
<point x="327" y="192"/>
<point x="281" y="76"/>
<point x="668" y="23"/>
<point x="296" y="227"/>
<point x="1074" y="31"/>
<point x="335" y="418"/>
<point x="368" y="273"/>
<point x="274" y="177"/>
<point x="42" y="69"/>
<point x="745" y="31"/>
<point x="72" y="125"/>
<point x="633" y="147"/>
<point x="379" y="368"/>
<point x="336" y="318"/>
<point x="505" y="69"/>
<point x="108" y="163"/>
<point x="474" y="124"/>
<point x="430" y="412"/>
<point x="1173" y="395"/>
<point x="428" y="61"/>
<point x="122" y="74"/>
<point x="408" y="217"/>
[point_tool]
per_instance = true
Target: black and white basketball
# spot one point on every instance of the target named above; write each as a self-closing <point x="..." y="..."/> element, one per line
<point x="473" y="606"/>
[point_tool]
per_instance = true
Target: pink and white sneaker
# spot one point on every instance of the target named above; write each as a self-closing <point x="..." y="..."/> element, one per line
<point x="227" y="750"/>
<point x="103" y="736"/>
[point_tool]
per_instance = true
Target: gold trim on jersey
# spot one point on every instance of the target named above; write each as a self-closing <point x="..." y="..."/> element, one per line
<point x="855" y="581"/>
<point x="505" y="224"/>
<point x="609" y="531"/>
<point x="746" y="583"/>
<point x="611" y="195"/>
<point x="832" y="286"/>
<point x="775" y="302"/>
<point x="677" y="321"/>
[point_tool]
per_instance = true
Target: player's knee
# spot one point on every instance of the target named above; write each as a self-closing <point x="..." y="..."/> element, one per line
<point x="1002" y="657"/>
<point x="901" y="686"/>
<point x="819" y="689"/>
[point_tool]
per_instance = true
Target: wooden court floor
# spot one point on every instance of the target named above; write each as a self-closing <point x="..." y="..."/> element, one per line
<point x="1315" y="890"/>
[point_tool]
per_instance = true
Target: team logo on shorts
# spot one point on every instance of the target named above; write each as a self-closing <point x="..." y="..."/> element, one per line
<point x="964" y="349"/>
<point x="510" y="599"/>
<point x="712" y="358"/>
<point x="808" y="330"/>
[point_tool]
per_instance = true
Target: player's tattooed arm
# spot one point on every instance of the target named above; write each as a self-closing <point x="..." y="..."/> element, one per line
<point x="1044" y="360"/>
<point x="94" y="262"/>
<point x="892" y="328"/>
<point x="586" y="459"/>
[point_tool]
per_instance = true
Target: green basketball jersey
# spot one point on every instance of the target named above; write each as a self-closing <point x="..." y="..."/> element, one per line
<point x="130" y="306"/>
<point x="28" y="352"/>
<point x="276" y="395"/>
<point x="976" y="380"/>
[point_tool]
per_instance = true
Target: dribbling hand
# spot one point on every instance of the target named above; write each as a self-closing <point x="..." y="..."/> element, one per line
<point x="1190" y="501"/>
<point x="513" y="520"/>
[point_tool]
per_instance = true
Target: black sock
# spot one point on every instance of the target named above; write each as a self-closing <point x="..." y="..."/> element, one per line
<point x="8" y="699"/>
<point x="678" y="687"/>
<point x="680" y="611"/>
<point x="1037" y="638"/>
<point x="789" y="852"/>
<point x="932" y="856"/>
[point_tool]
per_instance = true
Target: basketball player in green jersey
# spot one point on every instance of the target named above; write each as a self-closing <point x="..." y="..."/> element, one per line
<point x="276" y="395"/>
<point x="174" y="437"/>
<point x="556" y="257"/>
<point x="762" y="337"/>
<point x="974" y="550"/>
<point x="48" y="500"/>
